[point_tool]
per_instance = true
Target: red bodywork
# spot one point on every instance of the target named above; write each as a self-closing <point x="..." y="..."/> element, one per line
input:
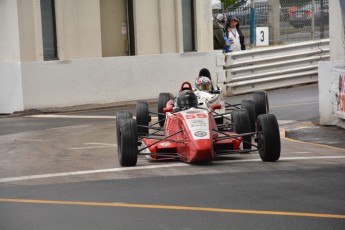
<point x="191" y="137"/>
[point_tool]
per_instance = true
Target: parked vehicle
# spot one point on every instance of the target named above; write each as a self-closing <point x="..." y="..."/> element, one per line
<point x="241" y="10"/>
<point x="303" y="16"/>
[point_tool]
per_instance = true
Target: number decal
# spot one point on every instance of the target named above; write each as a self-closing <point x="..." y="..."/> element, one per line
<point x="193" y="116"/>
<point x="262" y="36"/>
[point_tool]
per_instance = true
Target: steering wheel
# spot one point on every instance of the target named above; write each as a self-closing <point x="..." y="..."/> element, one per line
<point x="186" y="86"/>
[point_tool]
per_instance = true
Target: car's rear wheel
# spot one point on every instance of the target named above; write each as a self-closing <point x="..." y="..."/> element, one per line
<point x="268" y="137"/>
<point x="128" y="145"/>
<point x="260" y="102"/>
<point x="249" y="106"/>
<point x="219" y="121"/>
<point x="241" y="122"/>
<point x="143" y="118"/>
<point x="162" y="102"/>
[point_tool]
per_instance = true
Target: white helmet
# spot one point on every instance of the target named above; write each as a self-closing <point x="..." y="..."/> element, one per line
<point x="203" y="84"/>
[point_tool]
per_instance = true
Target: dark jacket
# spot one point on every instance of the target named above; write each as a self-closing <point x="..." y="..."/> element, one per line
<point x="218" y="37"/>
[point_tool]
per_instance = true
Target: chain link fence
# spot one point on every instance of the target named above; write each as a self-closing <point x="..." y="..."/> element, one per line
<point x="303" y="20"/>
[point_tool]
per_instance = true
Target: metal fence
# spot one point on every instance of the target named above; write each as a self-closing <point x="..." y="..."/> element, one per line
<point x="274" y="67"/>
<point x="303" y="20"/>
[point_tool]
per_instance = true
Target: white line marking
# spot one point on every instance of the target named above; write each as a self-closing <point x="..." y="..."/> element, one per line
<point x="96" y="147"/>
<point x="100" y="145"/>
<point x="167" y="165"/>
<point x="70" y="116"/>
<point x="287" y="105"/>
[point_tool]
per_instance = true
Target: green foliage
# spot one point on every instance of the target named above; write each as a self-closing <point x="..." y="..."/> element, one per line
<point x="228" y="3"/>
<point x="291" y="3"/>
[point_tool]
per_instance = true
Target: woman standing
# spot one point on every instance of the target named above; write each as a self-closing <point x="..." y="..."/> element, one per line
<point x="234" y="34"/>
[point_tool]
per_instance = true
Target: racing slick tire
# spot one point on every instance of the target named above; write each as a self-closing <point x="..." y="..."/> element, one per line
<point x="162" y="102"/>
<point x="143" y="118"/>
<point x="260" y="102"/>
<point x="249" y="106"/>
<point x="219" y="120"/>
<point x="120" y="116"/>
<point x="128" y="145"/>
<point x="268" y="137"/>
<point x="241" y="122"/>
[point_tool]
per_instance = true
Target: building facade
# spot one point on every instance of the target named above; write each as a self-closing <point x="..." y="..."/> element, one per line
<point x="58" y="53"/>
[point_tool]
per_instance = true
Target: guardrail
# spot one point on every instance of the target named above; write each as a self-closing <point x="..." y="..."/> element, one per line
<point x="274" y="67"/>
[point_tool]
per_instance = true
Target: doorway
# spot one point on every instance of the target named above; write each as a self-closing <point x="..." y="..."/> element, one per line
<point x="116" y="27"/>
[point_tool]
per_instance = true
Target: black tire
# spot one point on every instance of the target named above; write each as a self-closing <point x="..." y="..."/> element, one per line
<point x="162" y="102"/>
<point x="143" y="118"/>
<point x="241" y="121"/>
<point x="249" y="106"/>
<point x="120" y="116"/>
<point x="128" y="145"/>
<point x="268" y="137"/>
<point x="260" y="102"/>
<point x="219" y="120"/>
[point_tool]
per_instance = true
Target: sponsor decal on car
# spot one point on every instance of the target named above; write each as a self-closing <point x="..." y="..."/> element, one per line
<point x="164" y="144"/>
<point x="200" y="133"/>
<point x="194" y="111"/>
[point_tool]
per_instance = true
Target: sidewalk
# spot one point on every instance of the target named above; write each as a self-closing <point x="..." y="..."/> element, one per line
<point x="319" y="134"/>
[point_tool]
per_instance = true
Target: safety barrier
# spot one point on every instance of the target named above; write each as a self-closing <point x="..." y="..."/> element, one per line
<point x="274" y="67"/>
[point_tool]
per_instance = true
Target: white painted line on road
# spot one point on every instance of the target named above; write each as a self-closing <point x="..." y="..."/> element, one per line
<point x="11" y="179"/>
<point x="70" y="116"/>
<point x="95" y="147"/>
<point x="167" y="165"/>
<point x="287" y="105"/>
<point x="100" y="145"/>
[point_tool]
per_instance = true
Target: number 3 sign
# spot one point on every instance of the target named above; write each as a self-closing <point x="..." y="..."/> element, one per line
<point x="262" y="36"/>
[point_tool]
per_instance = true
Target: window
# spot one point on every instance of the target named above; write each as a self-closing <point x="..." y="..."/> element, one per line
<point x="188" y="25"/>
<point x="49" y="30"/>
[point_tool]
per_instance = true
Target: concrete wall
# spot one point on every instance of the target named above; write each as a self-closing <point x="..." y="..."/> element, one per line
<point x="108" y="80"/>
<point x="336" y="31"/>
<point x="81" y="75"/>
<point x="328" y="82"/>
<point x="11" y="95"/>
<point x="9" y="31"/>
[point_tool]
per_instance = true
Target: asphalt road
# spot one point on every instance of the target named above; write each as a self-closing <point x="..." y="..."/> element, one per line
<point x="61" y="172"/>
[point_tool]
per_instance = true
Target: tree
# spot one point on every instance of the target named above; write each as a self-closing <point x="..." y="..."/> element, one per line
<point x="227" y="3"/>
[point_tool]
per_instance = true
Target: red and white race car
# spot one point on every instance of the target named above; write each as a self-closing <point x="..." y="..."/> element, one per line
<point x="191" y="134"/>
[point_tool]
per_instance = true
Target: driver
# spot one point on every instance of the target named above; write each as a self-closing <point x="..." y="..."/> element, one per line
<point x="187" y="99"/>
<point x="203" y="83"/>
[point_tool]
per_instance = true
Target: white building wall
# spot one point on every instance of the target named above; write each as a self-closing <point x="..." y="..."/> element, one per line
<point x="327" y="96"/>
<point x="108" y="80"/>
<point x="336" y="31"/>
<point x="9" y="31"/>
<point x="81" y="76"/>
<point x="11" y="98"/>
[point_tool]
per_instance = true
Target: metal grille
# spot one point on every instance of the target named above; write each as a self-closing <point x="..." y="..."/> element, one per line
<point x="303" y="20"/>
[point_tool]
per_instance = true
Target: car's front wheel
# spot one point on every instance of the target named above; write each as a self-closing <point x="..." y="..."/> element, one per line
<point x="128" y="145"/>
<point x="268" y="137"/>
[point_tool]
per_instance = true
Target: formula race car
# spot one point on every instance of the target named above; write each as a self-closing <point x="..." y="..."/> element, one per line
<point x="189" y="133"/>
